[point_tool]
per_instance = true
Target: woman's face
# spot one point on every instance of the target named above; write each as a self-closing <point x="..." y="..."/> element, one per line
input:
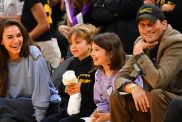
<point x="79" y="47"/>
<point x="12" y="40"/>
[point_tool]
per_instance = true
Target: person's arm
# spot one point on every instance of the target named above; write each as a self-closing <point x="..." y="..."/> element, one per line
<point x="168" y="67"/>
<point x="41" y="78"/>
<point x="126" y="75"/>
<point x="62" y="6"/>
<point x="42" y="21"/>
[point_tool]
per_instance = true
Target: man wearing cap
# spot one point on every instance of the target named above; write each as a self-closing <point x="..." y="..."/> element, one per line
<point x="157" y="58"/>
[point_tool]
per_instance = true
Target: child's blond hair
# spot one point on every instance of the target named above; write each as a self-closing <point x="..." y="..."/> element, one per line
<point x="87" y="31"/>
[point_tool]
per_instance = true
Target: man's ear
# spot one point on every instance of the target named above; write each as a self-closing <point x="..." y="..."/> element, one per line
<point x="165" y="24"/>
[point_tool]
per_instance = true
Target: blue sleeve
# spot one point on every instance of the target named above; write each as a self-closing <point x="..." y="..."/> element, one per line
<point x="41" y="78"/>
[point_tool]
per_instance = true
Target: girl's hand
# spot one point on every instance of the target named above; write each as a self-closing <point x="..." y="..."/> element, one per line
<point x="100" y="117"/>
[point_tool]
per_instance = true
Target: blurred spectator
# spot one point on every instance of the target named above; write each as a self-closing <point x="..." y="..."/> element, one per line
<point x="11" y="9"/>
<point x="78" y="11"/>
<point x="57" y="19"/>
<point x="172" y="11"/>
<point x="118" y="16"/>
<point x="36" y="17"/>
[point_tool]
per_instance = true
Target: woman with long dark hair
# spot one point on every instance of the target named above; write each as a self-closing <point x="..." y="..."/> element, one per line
<point x="25" y="86"/>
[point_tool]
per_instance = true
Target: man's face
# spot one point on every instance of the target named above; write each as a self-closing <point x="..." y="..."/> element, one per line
<point x="151" y="31"/>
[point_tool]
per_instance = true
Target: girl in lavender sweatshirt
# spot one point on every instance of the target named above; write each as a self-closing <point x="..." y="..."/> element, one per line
<point x="108" y="55"/>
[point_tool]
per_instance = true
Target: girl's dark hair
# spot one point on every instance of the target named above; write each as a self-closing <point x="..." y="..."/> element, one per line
<point x="113" y="45"/>
<point x="4" y="56"/>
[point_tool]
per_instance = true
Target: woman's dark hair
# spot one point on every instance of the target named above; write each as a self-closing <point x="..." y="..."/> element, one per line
<point x="4" y="56"/>
<point x="113" y="45"/>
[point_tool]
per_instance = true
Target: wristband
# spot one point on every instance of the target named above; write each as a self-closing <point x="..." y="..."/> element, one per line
<point x="132" y="87"/>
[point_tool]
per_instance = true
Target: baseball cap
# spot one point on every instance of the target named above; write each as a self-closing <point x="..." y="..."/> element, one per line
<point x="151" y="12"/>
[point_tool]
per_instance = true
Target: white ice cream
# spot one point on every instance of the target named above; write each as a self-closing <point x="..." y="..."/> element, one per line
<point x="69" y="77"/>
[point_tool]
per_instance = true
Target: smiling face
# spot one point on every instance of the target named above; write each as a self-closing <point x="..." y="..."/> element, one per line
<point x="99" y="56"/>
<point x="151" y="31"/>
<point x="79" y="47"/>
<point x="12" y="40"/>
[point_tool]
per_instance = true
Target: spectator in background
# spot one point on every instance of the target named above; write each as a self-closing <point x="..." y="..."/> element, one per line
<point x="78" y="11"/>
<point x="36" y="17"/>
<point x="118" y="16"/>
<point x="157" y="57"/>
<point x="26" y="91"/>
<point x="165" y="5"/>
<point x="11" y="9"/>
<point x="172" y="11"/>
<point x="57" y="19"/>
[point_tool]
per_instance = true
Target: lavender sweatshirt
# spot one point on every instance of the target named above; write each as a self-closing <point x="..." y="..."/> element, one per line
<point x="103" y="87"/>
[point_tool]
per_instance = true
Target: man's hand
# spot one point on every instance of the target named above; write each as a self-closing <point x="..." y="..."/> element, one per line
<point x="100" y="117"/>
<point x="140" y="99"/>
<point x="139" y="96"/>
<point x="141" y="45"/>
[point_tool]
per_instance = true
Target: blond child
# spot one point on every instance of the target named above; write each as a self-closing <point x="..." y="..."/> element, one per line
<point x="80" y="41"/>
